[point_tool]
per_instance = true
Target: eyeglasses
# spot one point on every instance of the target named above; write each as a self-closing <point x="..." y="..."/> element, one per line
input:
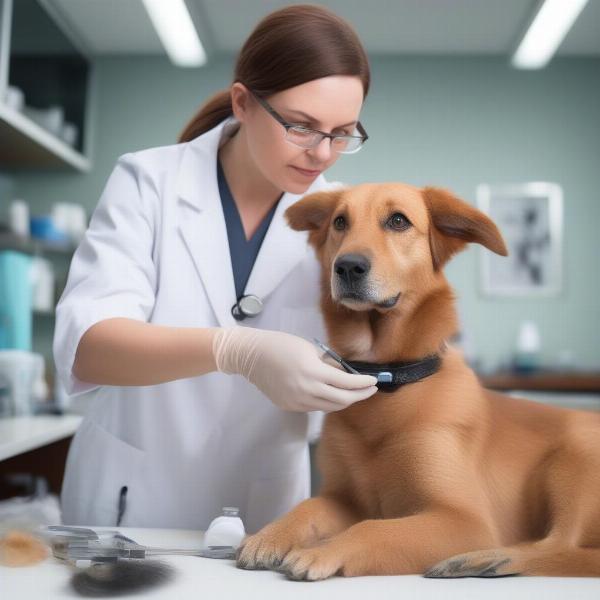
<point x="311" y="138"/>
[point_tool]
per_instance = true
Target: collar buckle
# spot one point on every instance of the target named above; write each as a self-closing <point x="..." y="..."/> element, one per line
<point x="384" y="377"/>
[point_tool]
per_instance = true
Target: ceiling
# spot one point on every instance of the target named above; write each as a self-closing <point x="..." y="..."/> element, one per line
<point x="467" y="27"/>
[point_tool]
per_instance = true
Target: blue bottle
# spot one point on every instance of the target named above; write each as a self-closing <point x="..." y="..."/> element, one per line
<point x="15" y="300"/>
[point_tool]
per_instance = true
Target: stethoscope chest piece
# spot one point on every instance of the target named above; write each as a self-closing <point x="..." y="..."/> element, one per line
<point x="247" y="306"/>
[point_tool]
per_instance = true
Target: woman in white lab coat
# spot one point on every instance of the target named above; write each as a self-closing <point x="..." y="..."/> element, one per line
<point x="192" y="410"/>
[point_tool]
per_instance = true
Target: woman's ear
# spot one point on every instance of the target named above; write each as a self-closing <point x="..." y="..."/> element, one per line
<point x="313" y="210"/>
<point x="453" y="223"/>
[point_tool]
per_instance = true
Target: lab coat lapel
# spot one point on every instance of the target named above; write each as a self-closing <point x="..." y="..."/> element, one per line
<point x="201" y="223"/>
<point x="281" y="250"/>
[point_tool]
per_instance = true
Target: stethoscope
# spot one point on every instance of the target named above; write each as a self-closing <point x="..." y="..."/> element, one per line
<point x="247" y="306"/>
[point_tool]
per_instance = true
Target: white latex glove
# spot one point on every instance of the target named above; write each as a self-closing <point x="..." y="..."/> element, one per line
<point x="288" y="369"/>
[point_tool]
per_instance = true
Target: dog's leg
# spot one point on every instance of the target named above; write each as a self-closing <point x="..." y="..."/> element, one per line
<point x="572" y="545"/>
<point x="389" y="546"/>
<point x="308" y="523"/>
<point x="534" y="558"/>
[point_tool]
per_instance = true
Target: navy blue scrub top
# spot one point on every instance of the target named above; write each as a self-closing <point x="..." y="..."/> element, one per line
<point x="243" y="252"/>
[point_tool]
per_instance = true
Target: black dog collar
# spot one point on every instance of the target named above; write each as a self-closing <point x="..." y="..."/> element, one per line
<point x="390" y="376"/>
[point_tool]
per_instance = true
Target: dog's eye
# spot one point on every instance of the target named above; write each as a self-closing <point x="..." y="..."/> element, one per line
<point x="339" y="223"/>
<point x="399" y="221"/>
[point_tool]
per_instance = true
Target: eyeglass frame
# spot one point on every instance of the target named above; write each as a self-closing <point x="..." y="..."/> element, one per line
<point x="364" y="136"/>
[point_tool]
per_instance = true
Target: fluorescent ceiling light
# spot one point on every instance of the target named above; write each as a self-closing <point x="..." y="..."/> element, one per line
<point x="176" y="31"/>
<point x="547" y="31"/>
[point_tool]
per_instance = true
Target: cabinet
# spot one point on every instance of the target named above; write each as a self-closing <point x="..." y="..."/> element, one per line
<point x="579" y="390"/>
<point x="37" y="445"/>
<point x="42" y="57"/>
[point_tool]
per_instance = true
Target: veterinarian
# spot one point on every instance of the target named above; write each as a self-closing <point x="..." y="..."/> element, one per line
<point x="192" y="409"/>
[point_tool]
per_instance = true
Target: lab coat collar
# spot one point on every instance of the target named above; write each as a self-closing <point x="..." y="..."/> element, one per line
<point x="201" y="224"/>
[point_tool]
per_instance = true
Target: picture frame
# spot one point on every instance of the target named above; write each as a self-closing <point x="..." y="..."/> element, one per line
<point x="530" y="218"/>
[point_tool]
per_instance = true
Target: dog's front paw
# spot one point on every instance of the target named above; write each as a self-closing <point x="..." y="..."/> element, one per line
<point x="481" y="563"/>
<point x="310" y="564"/>
<point x="263" y="550"/>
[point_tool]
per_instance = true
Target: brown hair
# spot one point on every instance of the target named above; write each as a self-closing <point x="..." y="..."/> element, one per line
<point x="288" y="47"/>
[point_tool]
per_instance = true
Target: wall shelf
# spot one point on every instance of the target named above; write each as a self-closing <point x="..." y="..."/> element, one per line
<point x="34" y="246"/>
<point x="25" y="144"/>
<point x="555" y="381"/>
<point x="41" y="56"/>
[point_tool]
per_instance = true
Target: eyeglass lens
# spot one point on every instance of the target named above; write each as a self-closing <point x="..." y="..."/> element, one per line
<point x="308" y="139"/>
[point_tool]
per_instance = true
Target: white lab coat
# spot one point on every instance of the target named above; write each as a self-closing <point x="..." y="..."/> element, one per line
<point x="156" y="250"/>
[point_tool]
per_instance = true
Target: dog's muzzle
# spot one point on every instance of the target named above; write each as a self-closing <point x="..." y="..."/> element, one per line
<point x="352" y="272"/>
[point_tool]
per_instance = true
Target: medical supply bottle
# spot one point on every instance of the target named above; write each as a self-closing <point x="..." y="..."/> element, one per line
<point x="527" y="353"/>
<point x="225" y="530"/>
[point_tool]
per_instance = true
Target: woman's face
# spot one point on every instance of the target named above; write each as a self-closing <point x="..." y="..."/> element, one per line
<point x="330" y="104"/>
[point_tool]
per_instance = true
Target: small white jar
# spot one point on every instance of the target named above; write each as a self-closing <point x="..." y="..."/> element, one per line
<point x="225" y="530"/>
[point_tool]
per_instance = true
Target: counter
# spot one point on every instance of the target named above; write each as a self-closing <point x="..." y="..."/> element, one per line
<point x="21" y="434"/>
<point x="207" y="578"/>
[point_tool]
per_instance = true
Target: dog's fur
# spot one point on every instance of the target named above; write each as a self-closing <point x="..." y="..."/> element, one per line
<point x="440" y="477"/>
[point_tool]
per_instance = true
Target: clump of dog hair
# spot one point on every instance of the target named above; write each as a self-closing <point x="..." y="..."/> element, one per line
<point x="121" y="577"/>
<point x="21" y="549"/>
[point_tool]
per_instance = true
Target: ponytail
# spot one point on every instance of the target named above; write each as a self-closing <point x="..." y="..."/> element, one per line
<point x="211" y="113"/>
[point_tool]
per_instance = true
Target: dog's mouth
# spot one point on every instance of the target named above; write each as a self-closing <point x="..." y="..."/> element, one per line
<point x="390" y="302"/>
<point x="353" y="299"/>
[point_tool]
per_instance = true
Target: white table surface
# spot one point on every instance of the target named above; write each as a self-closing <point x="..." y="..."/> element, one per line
<point x="21" y="434"/>
<point x="198" y="578"/>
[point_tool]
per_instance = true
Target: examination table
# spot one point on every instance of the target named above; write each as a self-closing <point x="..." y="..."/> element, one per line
<point x="208" y="578"/>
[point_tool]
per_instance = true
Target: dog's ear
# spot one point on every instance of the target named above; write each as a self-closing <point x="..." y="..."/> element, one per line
<point x="454" y="223"/>
<point x="311" y="211"/>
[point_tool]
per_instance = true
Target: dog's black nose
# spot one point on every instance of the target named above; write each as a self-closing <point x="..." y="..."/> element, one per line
<point x="352" y="267"/>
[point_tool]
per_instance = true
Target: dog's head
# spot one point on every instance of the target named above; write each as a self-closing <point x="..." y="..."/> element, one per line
<point x="384" y="245"/>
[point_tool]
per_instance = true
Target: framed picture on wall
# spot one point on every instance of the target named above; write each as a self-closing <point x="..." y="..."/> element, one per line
<point x="530" y="219"/>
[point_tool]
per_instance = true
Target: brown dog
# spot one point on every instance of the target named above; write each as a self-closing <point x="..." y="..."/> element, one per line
<point x="440" y="467"/>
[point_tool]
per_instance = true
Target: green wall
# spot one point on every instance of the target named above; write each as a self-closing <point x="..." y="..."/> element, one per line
<point x="454" y="122"/>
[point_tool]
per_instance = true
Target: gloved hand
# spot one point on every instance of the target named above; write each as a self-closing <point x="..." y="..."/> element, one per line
<point x="288" y="369"/>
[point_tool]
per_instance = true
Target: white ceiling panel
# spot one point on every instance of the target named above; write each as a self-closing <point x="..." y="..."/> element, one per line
<point x="584" y="37"/>
<point x="111" y="26"/>
<point x="395" y="26"/>
<point x="470" y="27"/>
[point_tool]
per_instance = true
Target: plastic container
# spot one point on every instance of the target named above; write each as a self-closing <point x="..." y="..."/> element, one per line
<point x="42" y="227"/>
<point x="14" y="98"/>
<point x="15" y="300"/>
<point x="18" y="216"/>
<point x="42" y="281"/>
<point x="24" y="373"/>
<point x="527" y="353"/>
<point x="226" y="530"/>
